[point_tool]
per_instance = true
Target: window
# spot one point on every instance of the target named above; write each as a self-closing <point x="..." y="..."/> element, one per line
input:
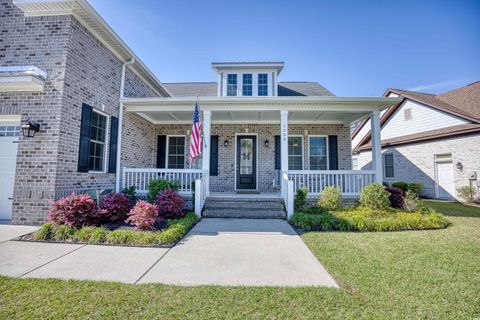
<point x="407" y="114"/>
<point x="9" y="131"/>
<point x="262" y="84"/>
<point x="318" y="152"/>
<point x="98" y="134"/>
<point x="443" y="157"/>
<point x="232" y="85"/>
<point x="388" y="165"/>
<point x="176" y="152"/>
<point x="247" y="85"/>
<point x="295" y="153"/>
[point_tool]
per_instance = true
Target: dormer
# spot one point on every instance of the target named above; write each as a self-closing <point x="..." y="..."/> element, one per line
<point x="247" y="79"/>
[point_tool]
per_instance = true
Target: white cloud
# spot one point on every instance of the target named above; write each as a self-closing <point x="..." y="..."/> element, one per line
<point x="438" y="85"/>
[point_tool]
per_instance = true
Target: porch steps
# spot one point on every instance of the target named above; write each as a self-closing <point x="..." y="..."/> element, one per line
<point x="244" y="207"/>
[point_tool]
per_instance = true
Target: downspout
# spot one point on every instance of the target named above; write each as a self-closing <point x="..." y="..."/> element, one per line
<point x="120" y="124"/>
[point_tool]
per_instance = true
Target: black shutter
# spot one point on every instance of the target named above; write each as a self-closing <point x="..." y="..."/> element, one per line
<point x="333" y="152"/>
<point x="214" y="155"/>
<point x="277" y="153"/>
<point x="112" y="153"/>
<point x="84" y="149"/>
<point x="161" y="151"/>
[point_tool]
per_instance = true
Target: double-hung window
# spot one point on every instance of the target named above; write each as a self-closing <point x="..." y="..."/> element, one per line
<point x="176" y="152"/>
<point x="98" y="134"/>
<point x="295" y="153"/>
<point x="247" y="84"/>
<point x="388" y="166"/>
<point x="263" y="84"/>
<point x="318" y="152"/>
<point x="231" y="85"/>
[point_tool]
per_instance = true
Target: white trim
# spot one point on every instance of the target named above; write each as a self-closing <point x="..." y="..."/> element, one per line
<point x="184" y="150"/>
<point x="10" y="118"/>
<point x="256" y="162"/>
<point x="303" y="149"/>
<point x="327" y="149"/>
<point x="106" y="143"/>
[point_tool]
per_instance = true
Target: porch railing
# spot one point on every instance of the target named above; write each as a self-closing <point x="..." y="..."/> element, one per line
<point x="141" y="178"/>
<point x="350" y="182"/>
<point x="200" y="194"/>
<point x="287" y="194"/>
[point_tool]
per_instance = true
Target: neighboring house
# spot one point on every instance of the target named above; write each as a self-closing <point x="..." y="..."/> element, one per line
<point x="426" y="138"/>
<point x="107" y="122"/>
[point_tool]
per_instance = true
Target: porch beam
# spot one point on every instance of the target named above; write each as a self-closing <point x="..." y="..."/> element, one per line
<point x="376" y="146"/>
<point x="207" y="120"/>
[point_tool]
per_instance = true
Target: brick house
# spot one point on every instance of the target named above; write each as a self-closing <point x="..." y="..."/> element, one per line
<point x="427" y="138"/>
<point x="106" y="122"/>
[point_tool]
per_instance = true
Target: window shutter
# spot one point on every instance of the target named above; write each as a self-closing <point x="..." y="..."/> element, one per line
<point x="214" y="155"/>
<point x="112" y="153"/>
<point x="84" y="148"/>
<point x="333" y="153"/>
<point x="277" y="153"/>
<point x="161" y="151"/>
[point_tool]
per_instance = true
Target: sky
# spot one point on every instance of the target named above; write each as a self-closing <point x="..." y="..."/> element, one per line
<point x="353" y="48"/>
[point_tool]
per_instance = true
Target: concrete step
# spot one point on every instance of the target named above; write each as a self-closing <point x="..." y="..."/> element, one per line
<point x="264" y="205"/>
<point x="244" y="207"/>
<point x="244" y="214"/>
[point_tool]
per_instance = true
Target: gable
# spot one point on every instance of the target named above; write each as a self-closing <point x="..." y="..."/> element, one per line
<point x="422" y="118"/>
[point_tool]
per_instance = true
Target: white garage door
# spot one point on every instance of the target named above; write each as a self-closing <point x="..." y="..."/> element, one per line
<point x="9" y="132"/>
<point x="445" y="183"/>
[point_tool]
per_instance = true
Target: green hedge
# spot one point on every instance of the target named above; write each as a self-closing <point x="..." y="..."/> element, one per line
<point x="175" y="230"/>
<point x="362" y="219"/>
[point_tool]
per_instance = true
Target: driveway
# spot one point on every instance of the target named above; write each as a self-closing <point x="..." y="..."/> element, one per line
<point x="228" y="252"/>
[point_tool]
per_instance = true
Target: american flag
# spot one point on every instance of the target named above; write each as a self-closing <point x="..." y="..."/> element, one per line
<point x="196" y="137"/>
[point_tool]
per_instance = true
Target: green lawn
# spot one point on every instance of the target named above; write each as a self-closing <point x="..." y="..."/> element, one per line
<point x="413" y="274"/>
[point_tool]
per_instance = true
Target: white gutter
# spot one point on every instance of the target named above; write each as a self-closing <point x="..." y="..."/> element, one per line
<point x="120" y="124"/>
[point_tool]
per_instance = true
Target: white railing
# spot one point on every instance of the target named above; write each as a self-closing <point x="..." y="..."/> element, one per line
<point x="350" y="182"/>
<point x="200" y="194"/>
<point x="287" y="194"/>
<point x="141" y="178"/>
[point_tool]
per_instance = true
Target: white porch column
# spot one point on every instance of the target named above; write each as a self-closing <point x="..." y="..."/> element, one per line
<point x="376" y="146"/>
<point x="207" y="119"/>
<point x="283" y="145"/>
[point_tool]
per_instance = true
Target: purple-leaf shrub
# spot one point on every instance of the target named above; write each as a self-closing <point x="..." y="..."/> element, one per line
<point x="143" y="215"/>
<point x="397" y="197"/>
<point x="170" y="204"/>
<point x="73" y="211"/>
<point x="114" y="207"/>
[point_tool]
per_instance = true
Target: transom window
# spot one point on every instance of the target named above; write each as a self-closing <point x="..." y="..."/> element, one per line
<point x="176" y="152"/>
<point x="389" y="169"/>
<point x="262" y="84"/>
<point x="98" y="134"/>
<point x="318" y="152"/>
<point x="295" y="153"/>
<point x="9" y="131"/>
<point x="247" y="84"/>
<point x="232" y="85"/>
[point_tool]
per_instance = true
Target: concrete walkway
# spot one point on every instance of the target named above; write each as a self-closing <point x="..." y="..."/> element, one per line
<point x="230" y="252"/>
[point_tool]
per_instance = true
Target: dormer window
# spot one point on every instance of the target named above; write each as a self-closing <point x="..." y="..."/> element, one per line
<point x="247" y="84"/>
<point x="263" y="84"/>
<point x="231" y="85"/>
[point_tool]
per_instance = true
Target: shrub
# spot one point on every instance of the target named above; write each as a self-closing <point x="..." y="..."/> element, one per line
<point x="74" y="211"/>
<point x="158" y="186"/>
<point x="91" y="235"/>
<point x="121" y="236"/>
<point x="143" y="215"/>
<point x="44" y="233"/>
<point x="114" y="208"/>
<point x="411" y="201"/>
<point x="415" y="187"/>
<point x="130" y="192"/>
<point x="397" y="197"/>
<point x="170" y="204"/>
<point x="331" y="198"/>
<point x="467" y="193"/>
<point x="315" y="210"/>
<point x="64" y="232"/>
<point x="83" y="234"/>
<point x="300" y="200"/>
<point x="400" y="184"/>
<point x="374" y="196"/>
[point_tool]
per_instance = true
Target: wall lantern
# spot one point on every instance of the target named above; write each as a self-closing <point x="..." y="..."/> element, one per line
<point x="225" y="143"/>
<point x="459" y="166"/>
<point x="267" y="143"/>
<point x="30" y="128"/>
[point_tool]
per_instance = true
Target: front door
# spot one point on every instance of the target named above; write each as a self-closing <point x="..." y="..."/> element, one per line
<point x="246" y="162"/>
<point x="445" y="183"/>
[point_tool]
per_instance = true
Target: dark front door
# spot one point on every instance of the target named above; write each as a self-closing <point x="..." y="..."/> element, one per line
<point x="246" y="162"/>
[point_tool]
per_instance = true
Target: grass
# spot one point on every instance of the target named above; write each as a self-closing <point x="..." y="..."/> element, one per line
<point x="431" y="274"/>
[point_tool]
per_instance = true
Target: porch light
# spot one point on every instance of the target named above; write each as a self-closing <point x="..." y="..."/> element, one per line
<point x="225" y="143"/>
<point x="30" y="128"/>
<point x="267" y="143"/>
<point x="459" y="166"/>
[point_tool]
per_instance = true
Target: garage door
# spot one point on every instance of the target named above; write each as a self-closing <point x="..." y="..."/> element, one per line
<point x="9" y="132"/>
